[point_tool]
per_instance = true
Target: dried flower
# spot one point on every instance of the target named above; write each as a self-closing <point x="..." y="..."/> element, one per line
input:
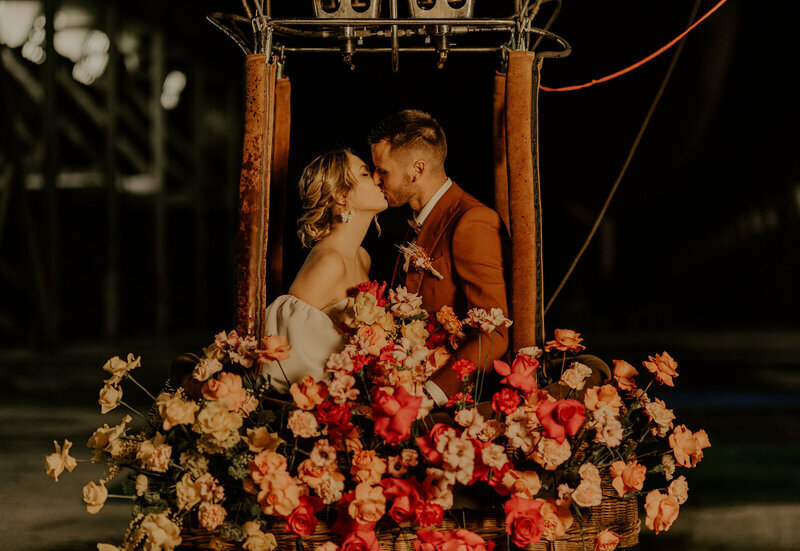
<point x="55" y="463"/>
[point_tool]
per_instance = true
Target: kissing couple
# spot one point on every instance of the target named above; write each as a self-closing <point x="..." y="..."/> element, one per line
<point x="459" y="239"/>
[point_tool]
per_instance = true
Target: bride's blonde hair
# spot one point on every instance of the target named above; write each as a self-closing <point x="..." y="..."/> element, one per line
<point x="325" y="179"/>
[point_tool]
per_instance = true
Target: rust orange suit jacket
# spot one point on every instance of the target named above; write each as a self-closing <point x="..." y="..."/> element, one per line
<point x="464" y="239"/>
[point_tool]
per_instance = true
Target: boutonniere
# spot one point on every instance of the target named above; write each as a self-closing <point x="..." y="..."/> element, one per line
<point x="417" y="258"/>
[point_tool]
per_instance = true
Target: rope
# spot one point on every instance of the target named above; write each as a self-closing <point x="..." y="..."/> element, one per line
<point x="638" y="64"/>
<point x="627" y="163"/>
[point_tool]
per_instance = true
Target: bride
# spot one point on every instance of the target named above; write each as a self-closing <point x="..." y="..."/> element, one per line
<point x="340" y="200"/>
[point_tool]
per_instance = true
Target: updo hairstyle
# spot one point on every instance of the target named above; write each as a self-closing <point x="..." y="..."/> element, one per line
<point x="325" y="179"/>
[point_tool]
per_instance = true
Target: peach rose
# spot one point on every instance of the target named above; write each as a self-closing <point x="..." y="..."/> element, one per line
<point x="228" y="388"/>
<point x="95" y="496"/>
<point x="154" y="454"/>
<point x="680" y="489"/>
<point x="565" y="340"/>
<point x="211" y="515"/>
<point x="308" y="393"/>
<point x="688" y="447"/>
<point x="575" y="376"/>
<point x="628" y="477"/>
<point x="624" y="374"/>
<point x="265" y="464"/>
<point x="550" y="454"/>
<point x="175" y="411"/>
<point x="661" y="416"/>
<point x="55" y="463"/>
<point x="663" y="367"/>
<point x="259" y="439"/>
<point x="279" y="494"/>
<point x="606" y="541"/>
<point x="447" y="317"/>
<point x="273" y="348"/>
<point x="369" y="503"/>
<point x="556" y="519"/>
<point x="303" y="424"/>
<point x="370" y="339"/>
<point x="522" y="483"/>
<point x="161" y="532"/>
<point x="217" y="420"/>
<point x="118" y="368"/>
<point x="206" y="368"/>
<point x="415" y="331"/>
<point x="110" y="397"/>
<point x="367" y="467"/>
<point x="661" y="509"/>
<point x="599" y="396"/>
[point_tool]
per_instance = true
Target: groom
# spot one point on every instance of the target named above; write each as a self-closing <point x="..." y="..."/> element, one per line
<point x="462" y="236"/>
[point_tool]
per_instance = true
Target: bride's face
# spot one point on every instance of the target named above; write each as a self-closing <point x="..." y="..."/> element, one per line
<point x="366" y="196"/>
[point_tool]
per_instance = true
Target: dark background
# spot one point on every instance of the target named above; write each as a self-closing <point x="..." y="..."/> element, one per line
<point x="698" y="254"/>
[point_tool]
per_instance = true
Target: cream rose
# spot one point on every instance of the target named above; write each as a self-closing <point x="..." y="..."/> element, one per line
<point x="95" y="495"/>
<point x="556" y="519"/>
<point x="258" y="540"/>
<point x="174" y="410"/>
<point x="57" y="462"/>
<point x="217" y="420"/>
<point x="118" y="368"/>
<point x="105" y="438"/>
<point x="259" y="439"/>
<point x="162" y="534"/>
<point x="110" y="397"/>
<point x="187" y="493"/>
<point x="415" y="331"/>
<point x="368" y="504"/>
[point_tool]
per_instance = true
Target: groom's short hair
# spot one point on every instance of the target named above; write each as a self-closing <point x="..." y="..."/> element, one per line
<point x="411" y="129"/>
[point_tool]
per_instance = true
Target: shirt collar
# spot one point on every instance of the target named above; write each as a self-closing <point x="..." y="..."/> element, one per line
<point x="426" y="210"/>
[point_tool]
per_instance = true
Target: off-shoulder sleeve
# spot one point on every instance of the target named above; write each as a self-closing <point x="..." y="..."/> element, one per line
<point x="312" y="335"/>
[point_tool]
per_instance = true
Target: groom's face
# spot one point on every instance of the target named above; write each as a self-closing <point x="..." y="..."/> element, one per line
<point x="393" y="174"/>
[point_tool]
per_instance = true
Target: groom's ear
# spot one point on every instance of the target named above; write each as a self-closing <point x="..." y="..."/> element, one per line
<point x="418" y="169"/>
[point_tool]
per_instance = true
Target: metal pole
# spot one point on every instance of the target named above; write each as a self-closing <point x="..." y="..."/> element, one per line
<point x="199" y="144"/>
<point x="50" y="172"/>
<point x="158" y="143"/>
<point x="112" y="191"/>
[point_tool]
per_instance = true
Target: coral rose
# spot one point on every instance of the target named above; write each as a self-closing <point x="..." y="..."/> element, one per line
<point x="394" y="414"/>
<point x="520" y="374"/>
<point x="524" y="521"/>
<point x="663" y="367"/>
<point x="624" y="374"/>
<point x="405" y="496"/>
<point x="302" y="521"/>
<point x="361" y="541"/>
<point x="309" y="393"/>
<point x="228" y="388"/>
<point x="460" y="540"/>
<point x="628" y="477"/>
<point x="560" y="418"/>
<point x="606" y="541"/>
<point x="279" y="494"/>
<point x="688" y="447"/>
<point x="566" y="340"/>
<point x="661" y="510"/>
<point x="95" y="496"/>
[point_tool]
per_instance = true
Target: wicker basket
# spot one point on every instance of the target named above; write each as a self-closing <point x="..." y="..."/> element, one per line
<point x="614" y="513"/>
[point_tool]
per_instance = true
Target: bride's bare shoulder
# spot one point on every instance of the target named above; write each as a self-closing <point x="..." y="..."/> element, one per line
<point x="319" y="279"/>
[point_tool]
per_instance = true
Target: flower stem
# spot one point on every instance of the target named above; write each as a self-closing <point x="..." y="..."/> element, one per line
<point x="129" y="376"/>
<point x="122" y="497"/>
<point x="134" y="410"/>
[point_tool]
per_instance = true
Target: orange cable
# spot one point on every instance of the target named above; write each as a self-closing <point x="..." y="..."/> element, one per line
<point x="641" y="62"/>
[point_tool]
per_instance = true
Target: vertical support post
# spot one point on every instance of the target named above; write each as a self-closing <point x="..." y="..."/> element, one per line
<point x="50" y="172"/>
<point x="112" y="187"/>
<point x="525" y="199"/>
<point x="254" y="194"/>
<point x="500" y="154"/>
<point x="280" y="173"/>
<point x="159" y="166"/>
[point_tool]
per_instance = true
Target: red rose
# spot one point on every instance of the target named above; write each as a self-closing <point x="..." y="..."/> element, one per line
<point x="520" y="374"/>
<point x="405" y="496"/>
<point x="427" y="443"/>
<point x="429" y="514"/>
<point x="436" y="338"/>
<point x="463" y="368"/>
<point x="361" y="541"/>
<point x="560" y="418"/>
<point x="506" y="400"/>
<point x="394" y="414"/>
<point x="373" y="288"/>
<point x="462" y="540"/>
<point x="524" y="521"/>
<point x="333" y="414"/>
<point x="457" y="397"/>
<point x="302" y="521"/>
<point x="345" y="524"/>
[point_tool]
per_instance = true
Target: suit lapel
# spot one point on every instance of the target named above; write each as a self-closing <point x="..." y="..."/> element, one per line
<point x="433" y="229"/>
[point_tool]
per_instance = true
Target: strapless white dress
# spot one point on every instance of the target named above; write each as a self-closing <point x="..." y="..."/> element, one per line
<point x="312" y="334"/>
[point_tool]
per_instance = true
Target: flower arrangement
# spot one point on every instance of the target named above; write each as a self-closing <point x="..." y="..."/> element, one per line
<point x="364" y="449"/>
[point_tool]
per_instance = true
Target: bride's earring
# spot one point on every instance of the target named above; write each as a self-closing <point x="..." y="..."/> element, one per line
<point x="347" y="215"/>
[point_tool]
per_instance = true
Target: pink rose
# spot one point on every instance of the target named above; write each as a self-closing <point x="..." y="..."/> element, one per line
<point x="524" y="521"/>
<point x="560" y="418"/>
<point x="405" y="496"/>
<point x="521" y="373"/>
<point x="394" y="414"/>
<point x="302" y="521"/>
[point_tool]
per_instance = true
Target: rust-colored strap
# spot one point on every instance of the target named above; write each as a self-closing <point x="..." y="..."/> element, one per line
<point x="522" y="93"/>
<point x="254" y="191"/>
<point x="280" y="170"/>
<point x="500" y="161"/>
